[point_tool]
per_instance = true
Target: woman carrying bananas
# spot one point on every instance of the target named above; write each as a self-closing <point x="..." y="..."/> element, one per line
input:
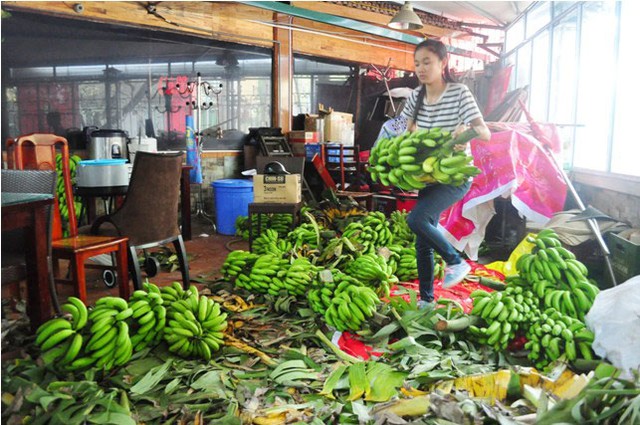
<point x="439" y="102"/>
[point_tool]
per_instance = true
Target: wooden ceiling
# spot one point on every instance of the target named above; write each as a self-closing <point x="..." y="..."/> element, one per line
<point x="240" y="22"/>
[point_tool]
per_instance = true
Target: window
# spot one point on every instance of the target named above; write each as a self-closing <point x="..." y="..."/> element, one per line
<point x="582" y="78"/>
<point x="112" y="77"/>
<point x="626" y="149"/>
<point x="515" y="35"/>
<point x="538" y="17"/>
<point x="539" y="88"/>
<point x="595" y="85"/>
<point x="311" y="82"/>
<point x="523" y="67"/>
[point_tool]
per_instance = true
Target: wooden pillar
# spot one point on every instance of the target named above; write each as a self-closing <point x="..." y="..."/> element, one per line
<point x="282" y="75"/>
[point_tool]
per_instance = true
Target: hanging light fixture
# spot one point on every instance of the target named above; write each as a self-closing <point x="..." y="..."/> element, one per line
<point x="406" y="19"/>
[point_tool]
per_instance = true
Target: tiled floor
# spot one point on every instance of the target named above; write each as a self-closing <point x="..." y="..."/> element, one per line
<point x="207" y="251"/>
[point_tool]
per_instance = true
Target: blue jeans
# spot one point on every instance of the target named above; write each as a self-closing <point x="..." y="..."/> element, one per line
<point x="423" y="221"/>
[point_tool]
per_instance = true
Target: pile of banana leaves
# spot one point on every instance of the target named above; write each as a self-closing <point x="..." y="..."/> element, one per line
<point x="279" y="366"/>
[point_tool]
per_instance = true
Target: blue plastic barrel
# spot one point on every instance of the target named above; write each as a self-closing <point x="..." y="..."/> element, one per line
<point x="232" y="199"/>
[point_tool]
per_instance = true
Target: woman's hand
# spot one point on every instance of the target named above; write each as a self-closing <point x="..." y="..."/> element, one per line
<point x="461" y="128"/>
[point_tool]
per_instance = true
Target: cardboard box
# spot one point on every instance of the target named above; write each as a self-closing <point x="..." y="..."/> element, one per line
<point x="285" y="189"/>
<point x="298" y="140"/>
<point x="337" y="126"/>
<point x="311" y="123"/>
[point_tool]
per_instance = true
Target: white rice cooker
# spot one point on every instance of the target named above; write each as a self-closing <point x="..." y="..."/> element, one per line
<point x="103" y="173"/>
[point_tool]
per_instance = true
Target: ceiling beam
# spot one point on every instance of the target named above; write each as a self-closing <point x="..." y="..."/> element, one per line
<point x="368" y="16"/>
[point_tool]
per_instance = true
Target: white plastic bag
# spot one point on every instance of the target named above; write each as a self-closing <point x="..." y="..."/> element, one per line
<point x="614" y="319"/>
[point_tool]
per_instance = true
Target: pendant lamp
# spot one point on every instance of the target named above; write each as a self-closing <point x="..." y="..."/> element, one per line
<point x="406" y="19"/>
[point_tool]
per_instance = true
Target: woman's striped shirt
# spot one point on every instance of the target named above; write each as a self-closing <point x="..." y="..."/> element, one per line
<point x="455" y="106"/>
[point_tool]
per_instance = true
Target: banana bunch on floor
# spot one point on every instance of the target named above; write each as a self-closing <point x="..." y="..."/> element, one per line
<point x="379" y="225"/>
<point x="281" y="223"/>
<point x="402" y="234"/>
<point x="351" y="307"/>
<point x="411" y="160"/>
<point x="324" y="287"/>
<point x="407" y="266"/>
<point x="237" y="262"/>
<point x="371" y="233"/>
<point x="372" y="269"/>
<point x="556" y="276"/>
<point x="109" y="343"/>
<point x="295" y="279"/>
<point x="258" y="280"/>
<point x="242" y="227"/>
<point x="260" y="221"/>
<point x="61" y="340"/>
<point x="149" y="315"/>
<point x="504" y="313"/>
<point x="338" y="252"/>
<point x="270" y="242"/>
<point x="555" y="333"/>
<point x="332" y="213"/>
<point x="305" y="235"/>
<point x="361" y="237"/>
<point x="60" y="193"/>
<point x="196" y="326"/>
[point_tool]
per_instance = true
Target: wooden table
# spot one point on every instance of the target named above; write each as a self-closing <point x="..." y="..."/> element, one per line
<point x="121" y="191"/>
<point x="29" y="211"/>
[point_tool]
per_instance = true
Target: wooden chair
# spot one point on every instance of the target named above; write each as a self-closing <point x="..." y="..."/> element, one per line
<point x="148" y="216"/>
<point x="38" y="151"/>
<point x="365" y="197"/>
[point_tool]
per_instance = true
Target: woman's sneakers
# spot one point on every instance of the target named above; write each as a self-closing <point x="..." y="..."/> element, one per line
<point x="454" y="274"/>
<point x="425" y="304"/>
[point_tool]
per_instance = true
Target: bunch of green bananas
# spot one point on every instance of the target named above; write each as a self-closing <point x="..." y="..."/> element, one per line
<point x="109" y="343"/>
<point x="242" y="227"/>
<point x="149" y="316"/>
<point x="407" y="267"/>
<point x="264" y="269"/>
<point x="260" y="221"/>
<point x="322" y="288"/>
<point x="294" y="279"/>
<point x="237" y="261"/>
<point x="60" y="193"/>
<point x="305" y="234"/>
<point x="411" y="160"/>
<point x="351" y="307"/>
<point x="504" y="313"/>
<point x="555" y="333"/>
<point x="391" y="254"/>
<point x="376" y="223"/>
<point x="402" y="234"/>
<point x="556" y="276"/>
<point x="360" y="237"/>
<point x="338" y="252"/>
<point x="196" y="326"/>
<point x="368" y="238"/>
<point x="284" y="304"/>
<point x="270" y="242"/>
<point x="281" y="223"/>
<point x="60" y="340"/>
<point x="372" y="269"/>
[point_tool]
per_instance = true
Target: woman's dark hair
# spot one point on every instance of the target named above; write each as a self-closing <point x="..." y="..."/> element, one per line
<point x="439" y="49"/>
